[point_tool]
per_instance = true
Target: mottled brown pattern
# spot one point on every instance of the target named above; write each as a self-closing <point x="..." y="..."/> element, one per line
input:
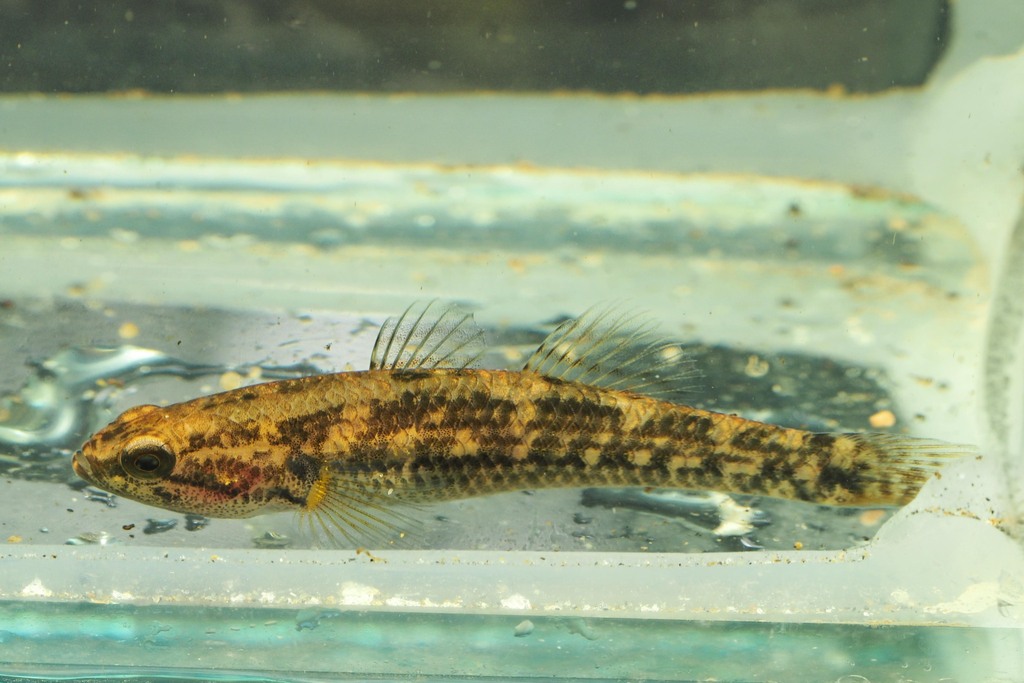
<point x="430" y="435"/>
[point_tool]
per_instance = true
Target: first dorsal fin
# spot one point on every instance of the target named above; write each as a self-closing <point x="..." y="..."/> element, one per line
<point x="428" y="336"/>
<point x="615" y="350"/>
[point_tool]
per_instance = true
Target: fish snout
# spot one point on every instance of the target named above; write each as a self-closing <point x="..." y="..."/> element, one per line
<point x="80" y="464"/>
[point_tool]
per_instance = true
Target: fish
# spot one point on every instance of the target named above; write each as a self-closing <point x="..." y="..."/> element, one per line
<point x="357" y="454"/>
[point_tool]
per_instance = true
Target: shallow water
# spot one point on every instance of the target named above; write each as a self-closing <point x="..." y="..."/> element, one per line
<point x="812" y="306"/>
<point x="828" y="330"/>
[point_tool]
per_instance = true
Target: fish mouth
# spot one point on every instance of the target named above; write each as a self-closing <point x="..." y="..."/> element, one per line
<point x="80" y="464"/>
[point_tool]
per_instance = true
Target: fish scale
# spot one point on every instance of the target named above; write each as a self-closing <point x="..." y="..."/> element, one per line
<point x="351" y="451"/>
<point x="587" y="437"/>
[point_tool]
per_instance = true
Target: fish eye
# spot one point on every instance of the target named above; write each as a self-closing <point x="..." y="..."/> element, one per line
<point x="147" y="461"/>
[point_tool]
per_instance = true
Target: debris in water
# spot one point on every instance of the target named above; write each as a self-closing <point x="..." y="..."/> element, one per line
<point x="159" y="526"/>
<point x="309" y="619"/>
<point x="196" y="522"/>
<point x="108" y="499"/>
<point x="92" y="538"/>
<point x="272" y="539"/>
<point x="523" y="628"/>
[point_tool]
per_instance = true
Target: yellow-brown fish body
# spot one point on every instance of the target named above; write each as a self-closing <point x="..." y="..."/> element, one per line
<point x="348" y="447"/>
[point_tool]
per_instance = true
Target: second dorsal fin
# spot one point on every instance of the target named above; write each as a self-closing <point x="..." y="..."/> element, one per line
<point x="615" y="350"/>
<point x="428" y="336"/>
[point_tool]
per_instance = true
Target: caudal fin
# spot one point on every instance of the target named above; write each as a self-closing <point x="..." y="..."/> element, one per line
<point x="891" y="468"/>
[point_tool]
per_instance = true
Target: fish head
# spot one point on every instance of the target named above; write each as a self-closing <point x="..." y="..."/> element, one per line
<point x="179" y="461"/>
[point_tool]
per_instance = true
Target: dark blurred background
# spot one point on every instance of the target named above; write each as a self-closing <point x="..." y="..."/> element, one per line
<point x="629" y="46"/>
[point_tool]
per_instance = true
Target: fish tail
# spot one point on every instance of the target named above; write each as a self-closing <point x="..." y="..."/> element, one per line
<point x="882" y="469"/>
